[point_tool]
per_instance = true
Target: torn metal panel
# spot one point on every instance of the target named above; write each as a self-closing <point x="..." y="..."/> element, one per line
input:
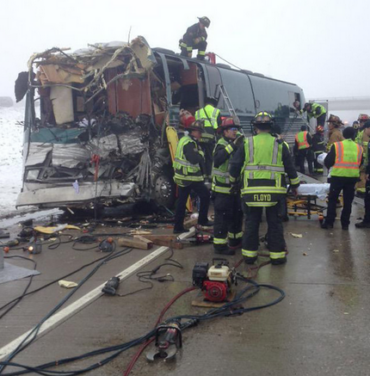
<point x="70" y="155"/>
<point x="67" y="195"/>
<point x="38" y="153"/>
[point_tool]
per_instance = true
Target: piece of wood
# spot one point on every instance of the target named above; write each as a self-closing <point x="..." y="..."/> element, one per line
<point x="164" y="240"/>
<point x="134" y="243"/>
<point x="190" y="222"/>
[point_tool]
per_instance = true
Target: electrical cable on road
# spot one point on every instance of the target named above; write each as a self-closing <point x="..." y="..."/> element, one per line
<point x="17" y="300"/>
<point x="33" y="333"/>
<point x="229" y="309"/>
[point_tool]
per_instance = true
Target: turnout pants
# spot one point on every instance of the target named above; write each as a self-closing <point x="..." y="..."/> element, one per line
<point x="367" y="202"/>
<point x="361" y="185"/>
<point x="201" y="190"/>
<point x="304" y="154"/>
<point x="347" y="185"/>
<point x="275" y="232"/>
<point x="321" y="120"/>
<point x="187" y="46"/>
<point x="228" y="221"/>
<point x="317" y="167"/>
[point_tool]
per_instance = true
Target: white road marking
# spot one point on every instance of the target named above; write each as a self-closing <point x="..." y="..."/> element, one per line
<point x="79" y="304"/>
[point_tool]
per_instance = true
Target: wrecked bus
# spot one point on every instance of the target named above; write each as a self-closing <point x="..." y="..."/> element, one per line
<point x="95" y="119"/>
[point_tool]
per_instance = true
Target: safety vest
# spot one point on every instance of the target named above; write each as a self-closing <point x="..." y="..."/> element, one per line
<point x="209" y="114"/>
<point x="347" y="160"/>
<point x="263" y="171"/>
<point x="313" y="111"/>
<point x="184" y="170"/>
<point x="301" y="139"/>
<point x="220" y="175"/>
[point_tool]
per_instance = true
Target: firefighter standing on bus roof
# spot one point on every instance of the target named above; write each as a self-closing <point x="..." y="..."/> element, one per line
<point x="334" y="134"/>
<point x="303" y="143"/>
<point x="362" y="139"/>
<point x="195" y="38"/>
<point x="228" y="210"/>
<point x="317" y="111"/>
<point x="263" y="162"/>
<point x="366" y="221"/>
<point x="318" y="147"/>
<point x="345" y="158"/>
<point x="189" y="176"/>
<point x="212" y="119"/>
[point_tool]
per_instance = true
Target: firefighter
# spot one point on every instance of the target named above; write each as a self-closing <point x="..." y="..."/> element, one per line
<point x="212" y="119"/>
<point x="189" y="176"/>
<point x="303" y="143"/>
<point x="228" y="210"/>
<point x="195" y="38"/>
<point x="362" y="139"/>
<point x="335" y="135"/>
<point x="317" y="111"/>
<point x="262" y="164"/>
<point x="366" y="221"/>
<point x="318" y="147"/>
<point x="345" y="158"/>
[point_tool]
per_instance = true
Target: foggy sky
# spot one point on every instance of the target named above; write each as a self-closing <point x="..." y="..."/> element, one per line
<point x="322" y="46"/>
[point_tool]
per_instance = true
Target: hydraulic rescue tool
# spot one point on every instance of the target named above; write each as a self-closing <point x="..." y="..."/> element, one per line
<point x="216" y="281"/>
<point x="168" y="339"/>
<point x="110" y="288"/>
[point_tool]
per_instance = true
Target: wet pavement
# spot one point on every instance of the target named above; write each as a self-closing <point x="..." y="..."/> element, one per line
<point x="321" y="327"/>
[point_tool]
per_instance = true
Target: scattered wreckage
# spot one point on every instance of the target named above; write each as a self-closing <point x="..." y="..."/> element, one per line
<point x="95" y="120"/>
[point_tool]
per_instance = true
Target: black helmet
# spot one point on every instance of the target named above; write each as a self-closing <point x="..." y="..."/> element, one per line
<point x="198" y="125"/>
<point x="263" y="120"/>
<point x="307" y="106"/>
<point x="204" y="21"/>
<point x="211" y="100"/>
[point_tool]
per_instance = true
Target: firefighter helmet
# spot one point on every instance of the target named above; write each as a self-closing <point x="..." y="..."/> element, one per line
<point x="204" y="21"/>
<point x="363" y="117"/>
<point x="226" y="124"/>
<point x="307" y="106"/>
<point x="263" y="120"/>
<point x="335" y="120"/>
<point x="198" y="125"/>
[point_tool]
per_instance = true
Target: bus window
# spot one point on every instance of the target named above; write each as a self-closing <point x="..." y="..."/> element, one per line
<point x="239" y="90"/>
<point x="272" y="96"/>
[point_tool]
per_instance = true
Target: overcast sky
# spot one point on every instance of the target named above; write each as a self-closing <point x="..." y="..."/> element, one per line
<point x="323" y="46"/>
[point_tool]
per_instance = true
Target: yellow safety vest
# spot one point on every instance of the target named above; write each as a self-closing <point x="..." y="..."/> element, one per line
<point x="348" y="156"/>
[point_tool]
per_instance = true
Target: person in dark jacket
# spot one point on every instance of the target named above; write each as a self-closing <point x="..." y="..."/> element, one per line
<point x="195" y="38"/>
<point x="189" y="170"/>
<point x="228" y="210"/>
<point x="345" y="159"/>
<point x="303" y="145"/>
<point x="318" y="147"/>
<point x="366" y="221"/>
<point x="261" y="165"/>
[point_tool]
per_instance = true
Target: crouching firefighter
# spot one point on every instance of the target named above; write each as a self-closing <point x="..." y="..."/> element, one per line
<point x="189" y="176"/>
<point x="262" y="164"/>
<point x="228" y="210"/>
<point x="195" y="38"/>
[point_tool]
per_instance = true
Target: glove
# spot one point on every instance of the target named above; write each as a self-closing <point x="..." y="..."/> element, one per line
<point x="235" y="188"/>
<point x="238" y="141"/>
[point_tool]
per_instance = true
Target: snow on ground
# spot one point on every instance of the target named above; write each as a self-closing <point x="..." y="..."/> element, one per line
<point x="11" y="143"/>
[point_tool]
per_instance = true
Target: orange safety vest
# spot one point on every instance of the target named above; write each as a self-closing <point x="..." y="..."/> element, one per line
<point x="348" y="156"/>
<point x="301" y="139"/>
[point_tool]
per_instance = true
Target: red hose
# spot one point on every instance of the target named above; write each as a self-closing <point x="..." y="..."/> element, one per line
<point x="159" y="320"/>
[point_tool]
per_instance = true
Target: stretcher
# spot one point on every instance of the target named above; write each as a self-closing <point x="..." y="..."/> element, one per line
<point x="305" y="203"/>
